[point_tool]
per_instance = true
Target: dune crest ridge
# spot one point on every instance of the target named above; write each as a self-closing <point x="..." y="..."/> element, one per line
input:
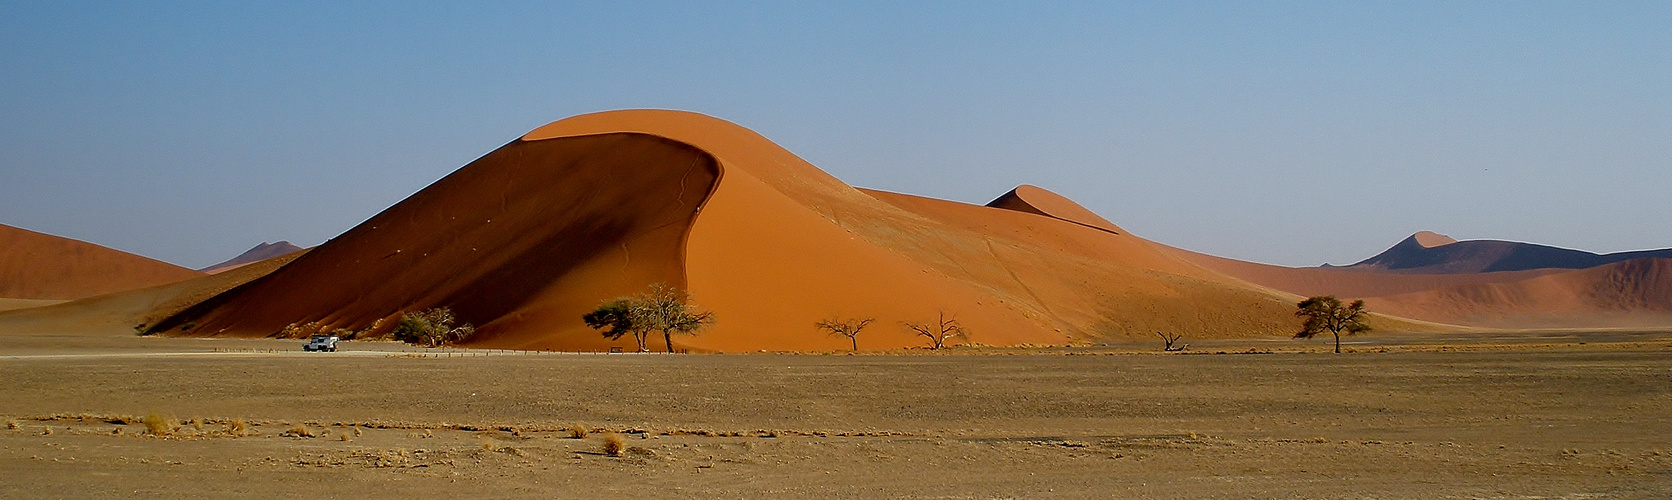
<point x="1037" y="200"/>
<point x="1430" y="239"/>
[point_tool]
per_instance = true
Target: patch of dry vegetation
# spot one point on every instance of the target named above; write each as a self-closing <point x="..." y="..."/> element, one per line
<point x="298" y="430"/>
<point x="160" y="425"/>
<point x="614" y="444"/>
<point x="577" y="431"/>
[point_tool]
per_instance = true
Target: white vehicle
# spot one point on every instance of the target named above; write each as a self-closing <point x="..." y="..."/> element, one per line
<point x="321" y="343"/>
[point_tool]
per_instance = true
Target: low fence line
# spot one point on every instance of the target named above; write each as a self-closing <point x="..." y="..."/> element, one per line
<point x="447" y="352"/>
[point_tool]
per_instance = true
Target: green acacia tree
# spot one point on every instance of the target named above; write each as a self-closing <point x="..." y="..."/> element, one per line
<point x="615" y="319"/>
<point x="1327" y="314"/>
<point x="663" y="308"/>
<point x="669" y="310"/>
<point x="431" y="327"/>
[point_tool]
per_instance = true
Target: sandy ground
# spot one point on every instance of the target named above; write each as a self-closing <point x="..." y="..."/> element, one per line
<point x="1537" y="415"/>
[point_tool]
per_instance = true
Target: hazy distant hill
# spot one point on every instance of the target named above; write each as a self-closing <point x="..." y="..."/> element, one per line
<point x="1430" y="253"/>
<point x="260" y="253"/>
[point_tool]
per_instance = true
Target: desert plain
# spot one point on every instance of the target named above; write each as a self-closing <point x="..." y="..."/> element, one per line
<point x="1495" y="369"/>
<point x="1516" y="415"/>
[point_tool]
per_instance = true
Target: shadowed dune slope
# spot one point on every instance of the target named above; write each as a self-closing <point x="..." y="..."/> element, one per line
<point x="1634" y="293"/>
<point x="526" y="239"/>
<point x="258" y="253"/>
<point x="42" y="266"/>
<point x="1430" y="253"/>
<point x="521" y="242"/>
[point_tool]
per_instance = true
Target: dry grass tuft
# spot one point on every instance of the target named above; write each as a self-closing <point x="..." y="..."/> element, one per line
<point x="489" y="445"/>
<point x="46" y="431"/>
<point x="238" y="428"/>
<point x="577" y="431"/>
<point x="356" y="432"/>
<point x="13" y="425"/>
<point x="344" y="438"/>
<point x="298" y="430"/>
<point x="197" y="425"/>
<point x="160" y="425"/>
<point x="614" y="444"/>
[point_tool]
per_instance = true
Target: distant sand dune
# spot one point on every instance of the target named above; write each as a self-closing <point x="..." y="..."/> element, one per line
<point x="259" y="253"/>
<point x="42" y="266"/>
<point x="1634" y="293"/>
<point x="1430" y="253"/>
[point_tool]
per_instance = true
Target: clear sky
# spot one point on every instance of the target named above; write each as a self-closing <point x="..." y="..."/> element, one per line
<point x="1284" y="132"/>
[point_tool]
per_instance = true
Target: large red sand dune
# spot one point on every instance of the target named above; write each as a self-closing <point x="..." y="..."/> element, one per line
<point x="42" y="266"/>
<point x="524" y="240"/>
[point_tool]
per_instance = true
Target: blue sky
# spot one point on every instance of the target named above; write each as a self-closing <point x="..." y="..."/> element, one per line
<point x="1285" y="132"/>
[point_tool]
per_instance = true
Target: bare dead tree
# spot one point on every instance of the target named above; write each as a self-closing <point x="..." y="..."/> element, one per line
<point x="845" y="327"/>
<point x="938" y="333"/>
<point x="1172" y="339"/>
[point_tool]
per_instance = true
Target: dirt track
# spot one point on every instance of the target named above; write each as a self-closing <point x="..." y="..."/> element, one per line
<point x="1545" y="420"/>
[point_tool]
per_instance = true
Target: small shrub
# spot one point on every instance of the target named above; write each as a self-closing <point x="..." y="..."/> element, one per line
<point x="577" y="431"/>
<point x="344" y="334"/>
<point x="160" y="425"/>
<point x="614" y="444"/>
<point x="238" y="428"/>
<point x="344" y="438"/>
<point x="46" y="431"/>
<point x="197" y="424"/>
<point x="12" y="425"/>
<point x="189" y="326"/>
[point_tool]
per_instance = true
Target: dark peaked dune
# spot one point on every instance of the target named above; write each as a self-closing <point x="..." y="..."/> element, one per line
<point x="1430" y="253"/>
<point x="42" y="266"/>
<point x="524" y="240"/>
<point x="258" y="253"/>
